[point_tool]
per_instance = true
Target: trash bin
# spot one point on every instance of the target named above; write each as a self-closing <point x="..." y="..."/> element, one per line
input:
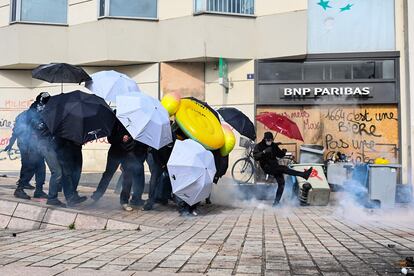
<point x="311" y="154"/>
<point x="320" y="191"/>
<point x="382" y="184"/>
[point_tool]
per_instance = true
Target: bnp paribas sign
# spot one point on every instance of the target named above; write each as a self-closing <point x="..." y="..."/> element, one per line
<point x="326" y="91"/>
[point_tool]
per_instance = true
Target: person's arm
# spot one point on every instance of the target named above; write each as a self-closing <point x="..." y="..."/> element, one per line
<point x="280" y="153"/>
<point x="258" y="152"/>
<point x="11" y="142"/>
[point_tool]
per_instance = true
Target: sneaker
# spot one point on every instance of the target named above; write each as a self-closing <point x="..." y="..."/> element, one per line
<point x="56" y="202"/>
<point x="19" y="193"/>
<point x="307" y="173"/>
<point x="194" y="213"/>
<point x="39" y="194"/>
<point x="148" y="206"/>
<point x="126" y="207"/>
<point x="76" y="199"/>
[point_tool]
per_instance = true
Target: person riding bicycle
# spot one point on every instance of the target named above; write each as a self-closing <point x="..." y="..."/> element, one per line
<point x="267" y="152"/>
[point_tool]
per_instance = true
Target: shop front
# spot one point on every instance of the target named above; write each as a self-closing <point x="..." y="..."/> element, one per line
<point x="348" y="103"/>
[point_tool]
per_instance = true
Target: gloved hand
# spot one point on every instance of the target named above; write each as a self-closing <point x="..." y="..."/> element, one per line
<point x="284" y="150"/>
<point x="8" y="148"/>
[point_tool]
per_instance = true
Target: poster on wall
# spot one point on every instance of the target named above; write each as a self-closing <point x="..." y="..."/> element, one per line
<point x="361" y="132"/>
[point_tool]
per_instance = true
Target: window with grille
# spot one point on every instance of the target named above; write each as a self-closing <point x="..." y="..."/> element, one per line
<point x="239" y="7"/>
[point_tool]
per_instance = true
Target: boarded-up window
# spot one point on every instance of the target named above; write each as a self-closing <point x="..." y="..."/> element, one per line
<point x="184" y="78"/>
<point x="363" y="132"/>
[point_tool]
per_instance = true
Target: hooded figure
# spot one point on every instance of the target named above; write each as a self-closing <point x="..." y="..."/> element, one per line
<point x="267" y="153"/>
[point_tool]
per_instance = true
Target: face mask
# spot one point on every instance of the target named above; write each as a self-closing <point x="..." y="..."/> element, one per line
<point x="268" y="143"/>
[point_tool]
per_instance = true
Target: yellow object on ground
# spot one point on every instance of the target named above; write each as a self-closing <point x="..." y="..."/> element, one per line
<point x="229" y="140"/>
<point x="171" y="102"/>
<point x="200" y="124"/>
<point x="381" y="161"/>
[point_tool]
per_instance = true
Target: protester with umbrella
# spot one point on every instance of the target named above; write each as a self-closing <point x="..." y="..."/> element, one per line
<point x="46" y="147"/>
<point x="191" y="170"/>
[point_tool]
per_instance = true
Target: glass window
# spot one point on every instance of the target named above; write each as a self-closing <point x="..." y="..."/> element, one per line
<point x="45" y="11"/>
<point x="280" y="71"/>
<point x="130" y="8"/>
<point x="364" y="70"/>
<point x="245" y="7"/>
<point x="341" y="71"/>
<point x="388" y="69"/>
<point x="313" y="71"/>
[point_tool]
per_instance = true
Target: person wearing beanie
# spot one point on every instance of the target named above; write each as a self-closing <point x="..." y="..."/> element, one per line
<point x="267" y="152"/>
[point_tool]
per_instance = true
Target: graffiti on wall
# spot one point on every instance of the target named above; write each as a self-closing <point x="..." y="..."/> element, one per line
<point x="363" y="133"/>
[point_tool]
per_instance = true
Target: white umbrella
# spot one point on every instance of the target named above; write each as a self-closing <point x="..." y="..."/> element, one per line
<point x="145" y="119"/>
<point x="109" y="84"/>
<point x="191" y="169"/>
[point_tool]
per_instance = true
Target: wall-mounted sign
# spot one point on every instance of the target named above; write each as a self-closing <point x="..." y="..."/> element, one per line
<point x="223" y="73"/>
<point x="326" y="91"/>
<point x="340" y="93"/>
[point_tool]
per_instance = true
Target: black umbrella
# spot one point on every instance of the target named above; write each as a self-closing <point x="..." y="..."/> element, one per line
<point x="238" y="121"/>
<point x="78" y="116"/>
<point x="60" y="72"/>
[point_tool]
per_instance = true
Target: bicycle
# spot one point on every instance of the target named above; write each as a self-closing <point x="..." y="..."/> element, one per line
<point x="244" y="168"/>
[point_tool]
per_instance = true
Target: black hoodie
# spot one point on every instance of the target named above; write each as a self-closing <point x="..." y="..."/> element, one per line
<point x="267" y="155"/>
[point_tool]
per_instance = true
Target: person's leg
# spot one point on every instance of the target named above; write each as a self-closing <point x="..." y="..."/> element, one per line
<point x="138" y="182"/>
<point x="77" y="166"/>
<point x="280" y="169"/>
<point x="52" y="162"/>
<point x="127" y="179"/>
<point x="280" y="188"/>
<point x="40" y="176"/>
<point x="27" y="169"/>
<point x="112" y="163"/>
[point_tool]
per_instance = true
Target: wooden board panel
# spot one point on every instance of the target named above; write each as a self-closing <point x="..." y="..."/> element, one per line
<point x="364" y="132"/>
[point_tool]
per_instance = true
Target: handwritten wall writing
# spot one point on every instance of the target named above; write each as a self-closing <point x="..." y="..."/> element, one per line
<point x="362" y="132"/>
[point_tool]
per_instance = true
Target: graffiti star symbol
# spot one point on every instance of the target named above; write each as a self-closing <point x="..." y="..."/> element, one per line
<point x="324" y="4"/>
<point x="346" y="8"/>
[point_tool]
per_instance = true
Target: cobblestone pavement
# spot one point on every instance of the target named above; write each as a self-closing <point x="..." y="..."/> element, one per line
<point x="228" y="241"/>
<point x="247" y="238"/>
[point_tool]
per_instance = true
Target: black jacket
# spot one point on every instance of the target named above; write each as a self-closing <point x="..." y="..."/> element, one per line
<point x="116" y="140"/>
<point x="267" y="155"/>
<point x="222" y="164"/>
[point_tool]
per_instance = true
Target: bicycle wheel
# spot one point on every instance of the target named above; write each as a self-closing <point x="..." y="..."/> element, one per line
<point x="242" y="171"/>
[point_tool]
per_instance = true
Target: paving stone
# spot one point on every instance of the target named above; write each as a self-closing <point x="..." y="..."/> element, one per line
<point x="23" y="224"/>
<point x="47" y="262"/>
<point x="7" y="207"/>
<point x="4" y="221"/>
<point x="119" y="225"/>
<point x="58" y="217"/>
<point x="32" y="271"/>
<point x="30" y="212"/>
<point x="83" y="222"/>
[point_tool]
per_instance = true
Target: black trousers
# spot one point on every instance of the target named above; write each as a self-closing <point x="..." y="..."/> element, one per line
<point x="113" y="161"/>
<point x="33" y="164"/>
<point x="133" y="177"/>
<point x="278" y="172"/>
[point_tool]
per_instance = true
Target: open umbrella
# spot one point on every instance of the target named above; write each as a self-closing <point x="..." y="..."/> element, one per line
<point x="239" y="121"/>
<point x="60" y="72"/>
<point x="109" y="84"/>
<point x="191" y="169"/>
<point x="78" y="116"/>
<point x="145" y="119"/>
<point x="280" y="124"/>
